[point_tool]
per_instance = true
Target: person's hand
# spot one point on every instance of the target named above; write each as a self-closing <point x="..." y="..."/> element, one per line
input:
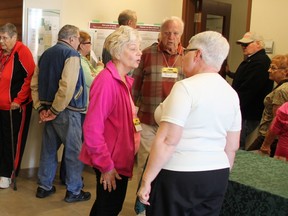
<point x="42" y="115"/>
<point x="48" y="116"/>
<point x="108" y="180"/>
<point x="14" y="106"/>
<point x="100" y="63"/>
<point x="265" y="150"/>
<point x="143" y="193"/>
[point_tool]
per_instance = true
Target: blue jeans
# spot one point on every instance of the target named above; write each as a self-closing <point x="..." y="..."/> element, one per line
<point x="65" y="128"/>
<point x="248" y="126"/>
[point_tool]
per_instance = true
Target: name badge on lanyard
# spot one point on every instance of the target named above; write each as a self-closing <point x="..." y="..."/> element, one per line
<point x="137" y="124"/>
<point x="169" y="72"/>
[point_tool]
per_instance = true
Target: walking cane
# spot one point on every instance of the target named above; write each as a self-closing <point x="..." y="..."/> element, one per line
<point x="13" y="177"/>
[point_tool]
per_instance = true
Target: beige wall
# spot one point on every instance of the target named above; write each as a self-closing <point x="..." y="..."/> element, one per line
<point x="80" y="12"/>
<point x="269" y="18"/>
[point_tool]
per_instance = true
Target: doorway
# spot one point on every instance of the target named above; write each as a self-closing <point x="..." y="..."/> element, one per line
<point x="201" y="15"/>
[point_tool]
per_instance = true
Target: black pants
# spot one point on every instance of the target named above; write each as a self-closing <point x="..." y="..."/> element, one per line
<point x="188" y="193"/>
<point x="109" y="203"/>
<point x="20" y="121"/>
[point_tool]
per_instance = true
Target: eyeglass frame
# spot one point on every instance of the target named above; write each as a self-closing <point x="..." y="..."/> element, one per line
<point x="186" y="50"/>
<point x="4" y="38"/>
<point x="88" y="42"/>
<point x="274" y="69"/>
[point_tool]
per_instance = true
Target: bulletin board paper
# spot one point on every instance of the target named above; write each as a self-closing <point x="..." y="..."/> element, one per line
<point x="99" y="32"/>
<point x="42" y="30"/>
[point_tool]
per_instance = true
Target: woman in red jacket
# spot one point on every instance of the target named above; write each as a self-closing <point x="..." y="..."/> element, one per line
<point x="16" y="69"/>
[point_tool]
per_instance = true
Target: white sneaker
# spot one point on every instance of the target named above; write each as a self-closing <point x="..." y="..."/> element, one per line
<point x="5" y="182"/>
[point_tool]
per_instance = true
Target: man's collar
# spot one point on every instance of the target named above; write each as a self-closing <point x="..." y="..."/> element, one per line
<point x="179" y="50"/>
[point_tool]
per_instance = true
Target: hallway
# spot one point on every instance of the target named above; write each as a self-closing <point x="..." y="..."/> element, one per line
<point x="24" y="203"/>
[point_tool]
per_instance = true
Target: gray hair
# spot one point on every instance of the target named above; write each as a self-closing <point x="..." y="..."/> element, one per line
<point x="125" y="16"/>
<point x="119" y="38"/>
<point x="172" y="19"/>
<point x="9" y="28"/>
<point x="213" y="46"/>
<point x="68" y="31"/>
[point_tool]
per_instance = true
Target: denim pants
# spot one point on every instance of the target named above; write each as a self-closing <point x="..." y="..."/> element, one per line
<point x="65" y="128"/>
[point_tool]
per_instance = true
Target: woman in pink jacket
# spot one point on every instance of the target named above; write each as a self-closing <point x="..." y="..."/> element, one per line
<point x="111" y="127"/>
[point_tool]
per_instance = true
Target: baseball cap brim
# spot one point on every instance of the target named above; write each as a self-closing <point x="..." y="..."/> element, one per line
<point x="244" y="41"/>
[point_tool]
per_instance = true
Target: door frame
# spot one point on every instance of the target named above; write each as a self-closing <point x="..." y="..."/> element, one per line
<point x="189" y="10"/>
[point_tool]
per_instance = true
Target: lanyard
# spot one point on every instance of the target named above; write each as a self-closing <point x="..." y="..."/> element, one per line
<point x="167" y="62"/>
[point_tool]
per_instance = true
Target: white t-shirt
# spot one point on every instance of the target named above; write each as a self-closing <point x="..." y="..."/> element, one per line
<point x="206" y="106"/>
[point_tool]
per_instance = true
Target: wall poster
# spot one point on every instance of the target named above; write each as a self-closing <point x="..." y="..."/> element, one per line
<point x="42" y="30"/>
<point x="99" y="31"/>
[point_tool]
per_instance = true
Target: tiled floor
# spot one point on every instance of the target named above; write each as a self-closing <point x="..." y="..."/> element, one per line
<point x="23" y="202"/>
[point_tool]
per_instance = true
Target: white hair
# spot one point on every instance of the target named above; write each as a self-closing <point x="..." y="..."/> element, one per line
<point x="213" y="46"/>
<point x="119" y="38"/>
<point x="172" y="19"/>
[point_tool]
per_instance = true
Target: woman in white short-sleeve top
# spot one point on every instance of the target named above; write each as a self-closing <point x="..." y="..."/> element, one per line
<point x="199" y="128"/>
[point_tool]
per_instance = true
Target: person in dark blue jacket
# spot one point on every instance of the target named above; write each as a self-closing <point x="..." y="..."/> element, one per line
<point x="59" y="94"/>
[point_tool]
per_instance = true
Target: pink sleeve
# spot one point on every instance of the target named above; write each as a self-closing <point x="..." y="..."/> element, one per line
<point x="101" y="102"/>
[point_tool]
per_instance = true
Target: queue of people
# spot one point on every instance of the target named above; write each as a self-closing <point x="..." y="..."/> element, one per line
<point x="176" y="115"/>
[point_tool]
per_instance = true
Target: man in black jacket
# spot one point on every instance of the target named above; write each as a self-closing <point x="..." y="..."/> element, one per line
<point x="251" y="82"/>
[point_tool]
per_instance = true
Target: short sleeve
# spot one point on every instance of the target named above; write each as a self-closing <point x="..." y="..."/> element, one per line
<point x="177" y="106"/>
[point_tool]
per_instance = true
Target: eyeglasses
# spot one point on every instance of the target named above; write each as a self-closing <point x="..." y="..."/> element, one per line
<point x="185" y="51"/>
<point x="274" y="68"/>
<point x="4" y="38"/>
<point x="88" y="42"/>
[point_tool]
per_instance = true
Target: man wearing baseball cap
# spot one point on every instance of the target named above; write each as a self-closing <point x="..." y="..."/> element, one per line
<point x="251" y="82"/>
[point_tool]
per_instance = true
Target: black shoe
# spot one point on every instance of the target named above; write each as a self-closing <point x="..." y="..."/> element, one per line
<point x="82" y="196"/>
<point x="42" y="193"/>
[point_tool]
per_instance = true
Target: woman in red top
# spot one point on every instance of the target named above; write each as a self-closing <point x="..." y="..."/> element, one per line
<point x="16" y="69"/>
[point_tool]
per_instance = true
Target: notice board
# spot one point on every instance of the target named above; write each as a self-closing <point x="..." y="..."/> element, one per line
<point x="99" y="31"/>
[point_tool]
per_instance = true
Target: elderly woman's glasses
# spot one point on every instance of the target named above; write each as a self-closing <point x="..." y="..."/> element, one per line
<point x="274" y="68"/>
<point x="88" y="42"/>
<point x="185" y="51"/>
<point x="4" y="38"/>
